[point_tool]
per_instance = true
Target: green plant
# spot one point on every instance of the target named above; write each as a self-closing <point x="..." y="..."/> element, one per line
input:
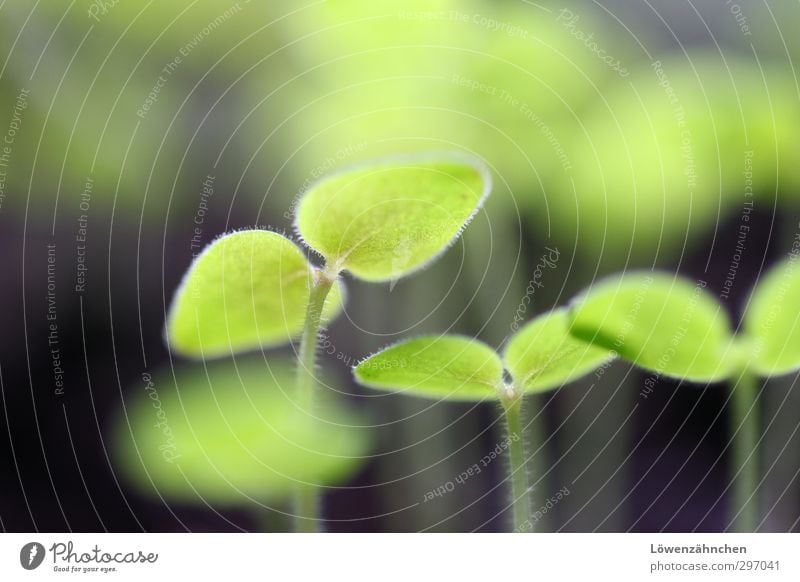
<point x="229" y="434"/>
<point x="542" y="356"/>
<point x="672" y="328"/>
<point x="668" y="148"/>
<point x="379" y="221"/>
<point x="372" y="74"/>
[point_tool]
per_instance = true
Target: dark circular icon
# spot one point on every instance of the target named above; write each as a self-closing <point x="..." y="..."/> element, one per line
<point x="31" y="555"/>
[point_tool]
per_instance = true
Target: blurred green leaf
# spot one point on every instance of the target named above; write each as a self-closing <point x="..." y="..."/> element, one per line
<point x="446" y="367"/>
<point x="200" y="32"/>
<point x="543" y="355"/>
<point x="772" y="320"/>
<point x="503" y="80"/>
<point x="247" y="290"/>
<point x="661" y="323"/>
<point x="387" y="219"/>
<point x="664" y="153"/>
<point x="83" y="121"/>
<point x="230" y="434"/>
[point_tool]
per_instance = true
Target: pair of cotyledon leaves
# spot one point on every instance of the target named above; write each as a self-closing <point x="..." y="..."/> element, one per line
<point x="661" y="323"/>
<point x="678" y="329"/>
<point x="380" y="222"/>
<point x="541" y="356"/>
<point x="231" y="438"/>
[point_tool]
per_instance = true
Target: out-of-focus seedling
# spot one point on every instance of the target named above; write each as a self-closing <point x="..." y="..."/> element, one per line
<point x="379" y="221"/>
<point x="542" y="356"/>
<point x="230" y="435"/>
<point x="675" y="329"/>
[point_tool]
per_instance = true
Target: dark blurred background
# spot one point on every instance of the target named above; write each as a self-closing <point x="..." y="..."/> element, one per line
<point x="621" y="134"/>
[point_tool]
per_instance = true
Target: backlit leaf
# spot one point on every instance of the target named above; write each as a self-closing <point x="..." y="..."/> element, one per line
<point x="664" y="324"/>
<point x="445" y="367"/>
<point x="230" y="434"/>
<point x="772" y="320"/>
<point x="246" y="290"/>
<point x="387" y="219"/>
<point x="543" y="355"/>
<point x="658" y="160"/>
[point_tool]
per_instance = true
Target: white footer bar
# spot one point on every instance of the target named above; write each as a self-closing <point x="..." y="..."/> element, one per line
<point x="400" y="557"/>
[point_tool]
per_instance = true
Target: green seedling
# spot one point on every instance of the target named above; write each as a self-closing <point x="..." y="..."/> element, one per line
<point x="633" y="147"/>
<point x="675" y="329"/>
<point x="379" y="221"/>
<point x="230" y="435"/>
<point x="542" y="356"/>
<point x="489" y="91"/>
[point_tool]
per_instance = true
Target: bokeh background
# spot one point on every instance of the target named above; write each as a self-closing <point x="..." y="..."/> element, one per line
<point x="620" y="135"/>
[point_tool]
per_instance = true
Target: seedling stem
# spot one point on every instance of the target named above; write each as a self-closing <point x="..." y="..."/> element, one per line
<point x="307" y="504"/>
<point x="520" y="498"/>
<point x="745" y="470"/>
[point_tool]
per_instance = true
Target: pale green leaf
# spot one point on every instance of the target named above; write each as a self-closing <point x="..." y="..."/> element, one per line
<point x="664" y="324"/>
<point x="384" y="220"/>
<point x="772" y="320"/>
<point x="246" y="290"/>
<point x="446" y="367"/>
<point x="657" y="164"/>
<point x="230" y="434"/>
<point x="543" y="355"/>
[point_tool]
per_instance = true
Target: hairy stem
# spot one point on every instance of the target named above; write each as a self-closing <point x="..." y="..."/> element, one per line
<point x="520" y="499"/>
<point x="306" y="498"/>
<point x="744" y="468"/>
<point x="536" y="466"/>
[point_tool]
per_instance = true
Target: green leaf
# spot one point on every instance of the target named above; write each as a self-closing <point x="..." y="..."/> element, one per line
<point x="445" y="367"/>
<point x="639" y="185"/>
<point x="387" y="219"/>
<point x="543" y="355"/>
<point x="772" y="320"/>
<point x="663" y="324"/>
<point x="229" y="433"/>
<point x="246" y="290"/>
